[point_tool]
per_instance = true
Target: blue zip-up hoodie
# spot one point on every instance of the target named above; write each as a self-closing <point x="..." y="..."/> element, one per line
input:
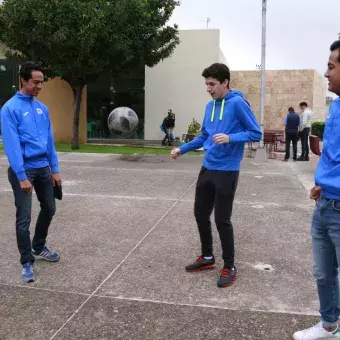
<point x="327" y="174"/>
<point x="237" y="121"/>
<point x="27" y="135"/>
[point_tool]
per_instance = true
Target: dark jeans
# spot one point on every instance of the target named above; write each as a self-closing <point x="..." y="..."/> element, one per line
<point x="304" y="142"/>
<point x="326" y="249"/>
<point x="168" y="136"/>
<point x="41" y="180"/>
<point x="216" y="189"/>
<point x="291" y="137"/>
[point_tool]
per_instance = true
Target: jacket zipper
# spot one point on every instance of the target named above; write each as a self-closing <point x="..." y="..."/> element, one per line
<point x="36" y="125"/>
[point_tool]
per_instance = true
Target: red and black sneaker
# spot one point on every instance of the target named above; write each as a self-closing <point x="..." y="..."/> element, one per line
<point x="201" y="264"/>
<point x="227" y="277"/>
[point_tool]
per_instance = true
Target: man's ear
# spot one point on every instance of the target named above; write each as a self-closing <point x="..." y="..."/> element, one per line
<point x="21" y="82"/>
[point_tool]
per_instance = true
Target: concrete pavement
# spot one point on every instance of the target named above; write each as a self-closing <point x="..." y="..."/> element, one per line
<point x="125" y="230"/>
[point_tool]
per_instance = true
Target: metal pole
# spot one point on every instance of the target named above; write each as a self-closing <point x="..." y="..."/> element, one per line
<point x="263" y="67"/>
<point x="261" y="153"/>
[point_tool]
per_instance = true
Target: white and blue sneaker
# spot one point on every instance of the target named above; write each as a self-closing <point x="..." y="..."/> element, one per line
<point x="317" y="332"/>
<point x="46" y="254"/>
<point x="27" y="272"/>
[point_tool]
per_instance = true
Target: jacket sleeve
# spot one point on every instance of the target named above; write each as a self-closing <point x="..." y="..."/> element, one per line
<point x="10" y="136"/>
<point x="303" y="121"/>
<point x="310" y="118"/>
<point x="247" y="118"/>
<point x="52" y="153"/>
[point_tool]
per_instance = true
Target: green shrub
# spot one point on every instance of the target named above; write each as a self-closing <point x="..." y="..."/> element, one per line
<point x="318" y="129"/>
<point x="194" y="128"/>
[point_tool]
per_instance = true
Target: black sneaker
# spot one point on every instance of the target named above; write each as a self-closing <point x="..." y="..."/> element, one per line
<point x="306" y="159"/>
<point x="301" y="159"/>
<point x="227" y="277"/>
<point x="201" y="264"/>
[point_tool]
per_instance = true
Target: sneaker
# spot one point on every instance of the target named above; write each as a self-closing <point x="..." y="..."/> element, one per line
<point x="201" y="264"/>
<point x="316" y="332"/>
<point x="27" y="272"/>
<point x="227" y="277"/>
<point x="47" y="255"/>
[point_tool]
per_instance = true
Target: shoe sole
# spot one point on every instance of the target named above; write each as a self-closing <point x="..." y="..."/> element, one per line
<point x="43" y="258"/>
<point x="211" y="266"/>
<point x="28" y="281"/>
<point x="228" y="284"/>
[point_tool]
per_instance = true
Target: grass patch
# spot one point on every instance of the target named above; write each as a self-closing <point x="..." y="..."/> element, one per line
<point x="114" y="149"/>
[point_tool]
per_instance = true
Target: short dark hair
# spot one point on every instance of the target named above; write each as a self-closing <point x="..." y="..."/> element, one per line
<point x="291" y="109"/>
<point x="28" y="67"/>
<point x="218" y="71"/>
<point x="336" y="46"/>
<point x="303" y="104"/>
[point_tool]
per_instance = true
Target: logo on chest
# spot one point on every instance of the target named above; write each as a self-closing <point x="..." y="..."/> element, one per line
<point x="40" y="111"/>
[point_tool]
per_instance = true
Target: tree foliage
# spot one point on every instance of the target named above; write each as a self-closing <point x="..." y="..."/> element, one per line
<point x="79" y="39"/>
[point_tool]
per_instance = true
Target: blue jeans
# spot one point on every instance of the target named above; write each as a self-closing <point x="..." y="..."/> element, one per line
<point x="41" y="179"/>
<point x="326" y="249"/>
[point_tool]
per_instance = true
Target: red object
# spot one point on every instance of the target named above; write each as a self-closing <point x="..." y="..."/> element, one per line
<point x="314" y="142"/>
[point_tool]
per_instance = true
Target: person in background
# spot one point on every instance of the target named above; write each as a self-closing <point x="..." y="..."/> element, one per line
<point x="306" y="119"/>
<point x="29" y="146"/>
<point x="326" y="220"/>
<point x="292" y="123"/>
<point x="167" y="127"/>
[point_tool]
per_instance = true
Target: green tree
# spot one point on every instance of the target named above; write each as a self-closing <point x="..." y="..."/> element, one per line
<point x="79" y="39"/>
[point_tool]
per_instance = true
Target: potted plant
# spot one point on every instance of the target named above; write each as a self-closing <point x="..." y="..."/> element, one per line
<point x="194" y="130"/>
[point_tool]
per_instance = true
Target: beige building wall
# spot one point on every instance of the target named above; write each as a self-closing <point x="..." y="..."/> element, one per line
<point x="176" y="83"/>
<point x="58" y="96"/>
<point x="283" y="89"/>
<point x="319" y="98"/>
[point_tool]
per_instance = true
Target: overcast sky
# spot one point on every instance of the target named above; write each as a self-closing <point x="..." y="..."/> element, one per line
<point x="299" y="32"/>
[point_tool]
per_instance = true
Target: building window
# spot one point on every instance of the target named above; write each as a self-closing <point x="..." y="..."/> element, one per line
<point x="107" y="93"/>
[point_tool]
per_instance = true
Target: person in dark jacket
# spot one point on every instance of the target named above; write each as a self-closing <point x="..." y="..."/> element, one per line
<point x="292" y="123"/>
<point x="167" y="126"/>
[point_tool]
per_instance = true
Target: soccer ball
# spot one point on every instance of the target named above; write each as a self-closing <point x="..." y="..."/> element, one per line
<point x="123" y="122"/>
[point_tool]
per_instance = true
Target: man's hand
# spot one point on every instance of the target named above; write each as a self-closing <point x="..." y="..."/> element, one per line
<point x="221" y="138"/>
<point x="56" y="179"/>
<point x="175" y="153"/>
<point x="26" y="186"/>
<point x="315" y="193"/>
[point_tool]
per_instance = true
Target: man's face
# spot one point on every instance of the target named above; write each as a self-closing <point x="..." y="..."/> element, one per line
<point x="333" y="72"/>
<point x="215" y="88"/>
<point x="34" y="85"/>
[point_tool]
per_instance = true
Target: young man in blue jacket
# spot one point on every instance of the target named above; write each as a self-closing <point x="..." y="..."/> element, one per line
<point x="228" y="124"/>
<point x="326" y="219"/>
<point x="29" y="146"/>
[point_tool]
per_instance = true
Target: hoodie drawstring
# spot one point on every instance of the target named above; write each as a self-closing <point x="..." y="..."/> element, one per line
<point x="221" y="113"/>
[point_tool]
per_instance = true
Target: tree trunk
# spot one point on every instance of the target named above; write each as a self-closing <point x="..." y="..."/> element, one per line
<point x="77" y="91"/>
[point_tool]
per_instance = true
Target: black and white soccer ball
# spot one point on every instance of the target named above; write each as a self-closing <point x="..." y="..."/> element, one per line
<point x="123" y="122"/>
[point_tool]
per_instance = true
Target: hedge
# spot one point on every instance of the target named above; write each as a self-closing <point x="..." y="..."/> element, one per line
<point x="318" y="129"/>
